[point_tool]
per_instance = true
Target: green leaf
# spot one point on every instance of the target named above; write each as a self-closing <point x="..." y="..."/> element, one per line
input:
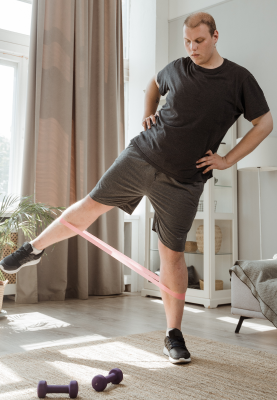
<point x="26" y="215"/>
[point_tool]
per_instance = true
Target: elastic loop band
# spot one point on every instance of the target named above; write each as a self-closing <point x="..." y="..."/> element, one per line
<point x="149" y="275"/>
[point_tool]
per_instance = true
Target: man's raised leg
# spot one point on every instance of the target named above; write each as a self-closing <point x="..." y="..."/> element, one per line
<point x="80" y="214"/>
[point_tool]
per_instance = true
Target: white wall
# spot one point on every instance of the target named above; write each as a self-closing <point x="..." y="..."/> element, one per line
<point x="148" y="53"/>
<point x="177" y="8"/>
<point x="247" y="32"/>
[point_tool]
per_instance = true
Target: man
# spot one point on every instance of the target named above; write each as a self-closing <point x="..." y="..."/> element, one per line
<point x="171" y="160"/>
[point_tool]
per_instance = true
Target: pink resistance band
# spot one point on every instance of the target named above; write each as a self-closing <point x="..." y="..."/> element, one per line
<point x="124" y="259"/>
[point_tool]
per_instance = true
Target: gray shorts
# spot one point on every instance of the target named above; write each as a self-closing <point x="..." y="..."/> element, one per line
<point x="130" y="177"/>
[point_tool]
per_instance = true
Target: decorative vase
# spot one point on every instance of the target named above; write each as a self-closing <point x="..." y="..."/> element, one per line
<point x="200" y="238"/>
<point x="2" y="289"/>
<point x="190" y="247"/>
<point x="201" y="205"/>
<point x="7" y="251"/>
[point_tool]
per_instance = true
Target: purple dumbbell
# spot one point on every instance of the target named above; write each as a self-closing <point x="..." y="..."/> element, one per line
<point x="72" y="389"/>
<point x="99" y="382"/>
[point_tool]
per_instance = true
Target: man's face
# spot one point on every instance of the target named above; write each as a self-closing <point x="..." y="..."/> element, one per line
<point x="198" y="43"/>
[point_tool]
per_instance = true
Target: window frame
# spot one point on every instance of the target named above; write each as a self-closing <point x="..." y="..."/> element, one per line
<point x="26" y="1"/>
<point x="14" y="47"/>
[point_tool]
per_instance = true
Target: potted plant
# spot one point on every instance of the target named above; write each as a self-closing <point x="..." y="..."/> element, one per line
<point x="23" y="214"/>
<point x="3" y="283"/>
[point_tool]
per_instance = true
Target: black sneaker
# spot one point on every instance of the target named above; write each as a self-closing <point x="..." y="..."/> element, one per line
<point x="175" y="347"/>
<point x="22" y="257"/>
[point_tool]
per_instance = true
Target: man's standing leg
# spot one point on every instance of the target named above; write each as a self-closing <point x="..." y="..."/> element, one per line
<point x="174" y="275"/>
<point x="175" y="206"/>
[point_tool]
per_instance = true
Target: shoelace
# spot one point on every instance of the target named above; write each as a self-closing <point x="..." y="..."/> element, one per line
<point x="177" y="342"/>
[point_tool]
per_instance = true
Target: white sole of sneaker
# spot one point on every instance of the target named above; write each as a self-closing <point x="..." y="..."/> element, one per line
<point x="173" y="361"/>
<point x="24" y="265"/>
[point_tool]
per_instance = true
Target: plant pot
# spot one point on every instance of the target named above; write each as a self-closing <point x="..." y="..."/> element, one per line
<point x="2" y="289"/>
<point x="11" y="278"/>
<point x="190" y="247"/>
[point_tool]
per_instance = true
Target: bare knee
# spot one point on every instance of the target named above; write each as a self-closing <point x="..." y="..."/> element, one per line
<point x="95" y="206"/>
<point x="169" y="256"/>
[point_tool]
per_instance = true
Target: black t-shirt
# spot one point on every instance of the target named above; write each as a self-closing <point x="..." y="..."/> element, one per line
<point x="201" y="105"/>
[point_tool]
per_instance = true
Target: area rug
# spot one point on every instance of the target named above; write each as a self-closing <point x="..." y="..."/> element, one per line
<point x="217" y="370"/>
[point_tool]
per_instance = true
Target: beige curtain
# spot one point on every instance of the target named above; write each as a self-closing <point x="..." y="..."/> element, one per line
<point x="74" y="132"/>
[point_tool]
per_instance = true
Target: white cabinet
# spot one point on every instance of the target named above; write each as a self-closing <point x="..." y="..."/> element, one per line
<point x="131" y="249"/>
<point x="219" y="204"/>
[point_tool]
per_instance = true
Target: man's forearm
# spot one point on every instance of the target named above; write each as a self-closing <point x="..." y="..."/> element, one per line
<point x="248" y="143"/>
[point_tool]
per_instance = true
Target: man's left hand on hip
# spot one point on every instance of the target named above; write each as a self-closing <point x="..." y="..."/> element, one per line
<point x="213" y="160"/>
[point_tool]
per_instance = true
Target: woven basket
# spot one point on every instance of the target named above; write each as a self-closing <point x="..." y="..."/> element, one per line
<point x="190" y="246"/>
<point x="200" y="238"/>
<point x="201" y="205"/>
<point x="218" y="284"/>
<point x="2" y="289"/>
<point x="7" y="251"/>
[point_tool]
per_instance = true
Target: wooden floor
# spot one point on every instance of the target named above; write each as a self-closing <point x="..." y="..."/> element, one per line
<point x="28" y="327"/>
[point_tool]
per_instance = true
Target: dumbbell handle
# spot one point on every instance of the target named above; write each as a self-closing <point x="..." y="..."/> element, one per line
<point x="110" y="377"/>
<point x="57" y="388"/>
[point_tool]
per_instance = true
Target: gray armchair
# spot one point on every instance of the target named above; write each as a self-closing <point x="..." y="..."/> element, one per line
<point x="254" y="290"/>
<point x="243" y="303"/>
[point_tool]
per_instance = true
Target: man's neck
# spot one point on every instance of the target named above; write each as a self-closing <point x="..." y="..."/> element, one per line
<point x="214" y="62"/>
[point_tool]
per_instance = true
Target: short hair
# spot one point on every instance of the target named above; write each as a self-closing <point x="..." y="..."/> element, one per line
<point x="195" y="19"/>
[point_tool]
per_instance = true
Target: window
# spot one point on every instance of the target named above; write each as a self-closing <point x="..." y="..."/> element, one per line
<point x="13" y="83"/>
<point x="15" y="23"/>
<point x="15" y="16"/>
<point x="8" y="77"/>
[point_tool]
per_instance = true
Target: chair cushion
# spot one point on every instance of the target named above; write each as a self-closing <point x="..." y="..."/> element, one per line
<point x="241" y="295"/>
